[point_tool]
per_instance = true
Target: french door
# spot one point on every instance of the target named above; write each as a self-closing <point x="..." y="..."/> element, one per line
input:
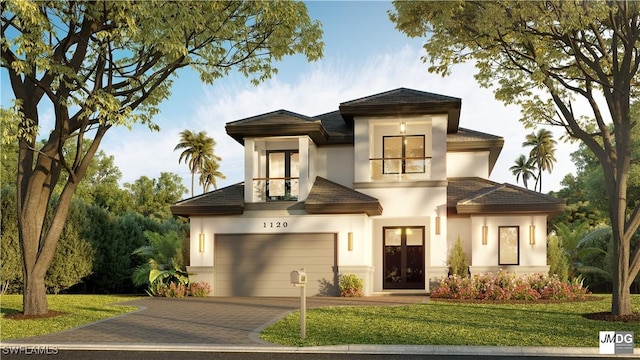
<point x="403" y="249"/>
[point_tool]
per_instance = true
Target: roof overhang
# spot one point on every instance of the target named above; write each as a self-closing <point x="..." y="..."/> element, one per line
<point x="314" y="130"/>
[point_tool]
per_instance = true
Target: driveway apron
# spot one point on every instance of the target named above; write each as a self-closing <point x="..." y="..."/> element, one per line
<point x="211" y="320"/>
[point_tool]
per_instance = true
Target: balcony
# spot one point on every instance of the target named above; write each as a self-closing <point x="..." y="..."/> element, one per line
<point x="400" y="168"/>
<point x="275" y="189"/>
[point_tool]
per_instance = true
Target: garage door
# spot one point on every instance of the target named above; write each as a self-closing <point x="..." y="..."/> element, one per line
<point x="260" y="264"/>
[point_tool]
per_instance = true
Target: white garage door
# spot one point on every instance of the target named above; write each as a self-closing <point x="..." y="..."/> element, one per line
<point x="260" y="264"/>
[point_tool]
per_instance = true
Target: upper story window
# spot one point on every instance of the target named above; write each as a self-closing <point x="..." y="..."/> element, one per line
<point x="403" y="154"/>
<point x="282" y="175"/>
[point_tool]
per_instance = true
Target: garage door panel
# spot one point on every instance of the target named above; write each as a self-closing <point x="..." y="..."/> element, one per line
<point x="277" y="244"/>
<point x="283" y="260"/>
<point x="259" y="264"/>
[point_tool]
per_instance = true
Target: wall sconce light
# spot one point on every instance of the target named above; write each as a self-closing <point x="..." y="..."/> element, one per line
<point x="201" y="244"/>
<point x="403" y="127"/>
<point x="485" y="233"/>
<point x="350" y="241"/>
<point x="437" y="225"/>
<point x="532" y="234"/>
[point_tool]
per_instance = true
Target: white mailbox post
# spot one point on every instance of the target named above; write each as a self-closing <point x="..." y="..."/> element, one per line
<point x="299" y="279"/>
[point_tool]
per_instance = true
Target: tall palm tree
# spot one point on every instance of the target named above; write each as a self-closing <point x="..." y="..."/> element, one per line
<point x="198" y="150"/>
<point x="543" y="152"/>
<point x="209" y="173"/>
<point x="524" y="168"/>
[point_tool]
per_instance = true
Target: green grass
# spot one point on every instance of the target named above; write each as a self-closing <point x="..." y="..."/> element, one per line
<point x="444" y="323"/>
<point x="78" y="309"/>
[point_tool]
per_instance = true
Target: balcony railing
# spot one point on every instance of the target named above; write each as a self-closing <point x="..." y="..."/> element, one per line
<point x="275" y="189"/>
<point x="394" y="168"/>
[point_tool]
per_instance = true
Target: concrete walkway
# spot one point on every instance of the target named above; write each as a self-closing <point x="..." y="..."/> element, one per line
<point x="232" y="324"/>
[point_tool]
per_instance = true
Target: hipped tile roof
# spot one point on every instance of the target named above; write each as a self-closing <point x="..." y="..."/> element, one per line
<point x="325" y="197"/>
<point x="478" y="196"/>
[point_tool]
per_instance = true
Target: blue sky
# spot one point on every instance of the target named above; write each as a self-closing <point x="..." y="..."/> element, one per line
<point x="363" y="55"/>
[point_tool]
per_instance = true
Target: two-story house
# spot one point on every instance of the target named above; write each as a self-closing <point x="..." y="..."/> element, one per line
<point x="380" y="188"/>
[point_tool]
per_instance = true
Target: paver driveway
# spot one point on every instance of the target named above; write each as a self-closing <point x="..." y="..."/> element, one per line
<point x="210" y="321"/>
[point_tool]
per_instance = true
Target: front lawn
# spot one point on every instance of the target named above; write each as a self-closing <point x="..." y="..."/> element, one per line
<point x="78" y="310"/>
<point x="447" y="323"/>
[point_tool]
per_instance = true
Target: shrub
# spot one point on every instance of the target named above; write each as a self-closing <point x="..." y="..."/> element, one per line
<point x="557" y="258"/>
<point x="350" y="286"/>
<point x="457" y="260"/>
<point x="199" y="289"/>
<point x="504" y="285"/>
<point x="173" y="290"/>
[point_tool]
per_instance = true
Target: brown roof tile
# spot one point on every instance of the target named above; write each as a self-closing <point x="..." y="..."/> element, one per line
<point x="476" y="195"/>
<point x="328" y="197"/>
<point x="225" y="201"/>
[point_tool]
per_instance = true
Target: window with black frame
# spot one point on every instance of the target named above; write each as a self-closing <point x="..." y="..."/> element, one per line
<point x="509" y="245"/>
<point x="403" y="154"/>
<point x="282" y="175"/>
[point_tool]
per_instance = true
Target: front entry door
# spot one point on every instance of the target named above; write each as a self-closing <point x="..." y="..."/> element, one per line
<point x="403" y="257"/>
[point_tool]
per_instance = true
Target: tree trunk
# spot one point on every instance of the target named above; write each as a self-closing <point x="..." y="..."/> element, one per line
<point x="34" y="300"/>
<point x="621" y="296"/>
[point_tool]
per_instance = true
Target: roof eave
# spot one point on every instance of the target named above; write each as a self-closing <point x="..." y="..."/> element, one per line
<point x="549" y="208"/>
<point x="314" y="130"/>
<point x="371" y="209"/>
<point x="202" y="210"/>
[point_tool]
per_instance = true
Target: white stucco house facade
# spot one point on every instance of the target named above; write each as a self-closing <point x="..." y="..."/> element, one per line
<point x="381" y="188"/>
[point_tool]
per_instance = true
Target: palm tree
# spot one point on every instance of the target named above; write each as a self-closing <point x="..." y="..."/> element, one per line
<point x="524" y="167"/>
<point x="209" y="173"/>
<point x="543" y="152"/>
<point x="198" y="151"/>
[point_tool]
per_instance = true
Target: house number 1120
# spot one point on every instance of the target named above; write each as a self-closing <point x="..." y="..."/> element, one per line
<point x="276" y="224"/>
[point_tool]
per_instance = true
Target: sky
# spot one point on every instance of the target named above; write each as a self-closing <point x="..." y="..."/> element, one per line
<point x="364" y="55"/>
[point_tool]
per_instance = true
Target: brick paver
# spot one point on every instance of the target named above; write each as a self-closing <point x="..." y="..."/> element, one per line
<point x="211" y="321"/>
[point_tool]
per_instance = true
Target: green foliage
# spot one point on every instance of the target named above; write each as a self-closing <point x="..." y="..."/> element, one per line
<point x="198" y="154"/>
<point x="73" y="259"/>
<point x="350" y="285"/>
<point x="541" y="57"/>
<point x="154" y="197"/>
<point x="105" y="64"/>
<point x="458" y="261"/>
<point x="10" y="260"/>
<point x="556" y="258"/>
<point x="543" y="148"/>
<point x="164" y="265"/>
<point x="524" y="167"/>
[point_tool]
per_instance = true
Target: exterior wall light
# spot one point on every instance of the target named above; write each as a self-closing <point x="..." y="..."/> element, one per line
<point x="201" y="244"/>
<point x="350" y="241"/>
<point x="485" y="233"/>
<point x="437" y="225"/>
<point x="532" y="234"/>
<point x="403" y="127"/>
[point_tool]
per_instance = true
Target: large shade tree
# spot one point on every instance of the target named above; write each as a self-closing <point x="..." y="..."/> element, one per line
<point x="101" y="64"/>
<point x="545" y="57"/>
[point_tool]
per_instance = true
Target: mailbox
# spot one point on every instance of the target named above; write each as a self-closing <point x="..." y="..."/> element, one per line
<point x="298" y="277"/>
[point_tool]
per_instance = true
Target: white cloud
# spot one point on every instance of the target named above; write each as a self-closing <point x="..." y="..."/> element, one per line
<point x="318" y="90"/>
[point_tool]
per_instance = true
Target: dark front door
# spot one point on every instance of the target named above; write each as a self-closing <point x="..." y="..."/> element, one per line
<point x="403" y="257"/>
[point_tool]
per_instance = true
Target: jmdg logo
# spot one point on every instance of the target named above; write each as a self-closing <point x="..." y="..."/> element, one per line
<point x="616" y="342"/>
